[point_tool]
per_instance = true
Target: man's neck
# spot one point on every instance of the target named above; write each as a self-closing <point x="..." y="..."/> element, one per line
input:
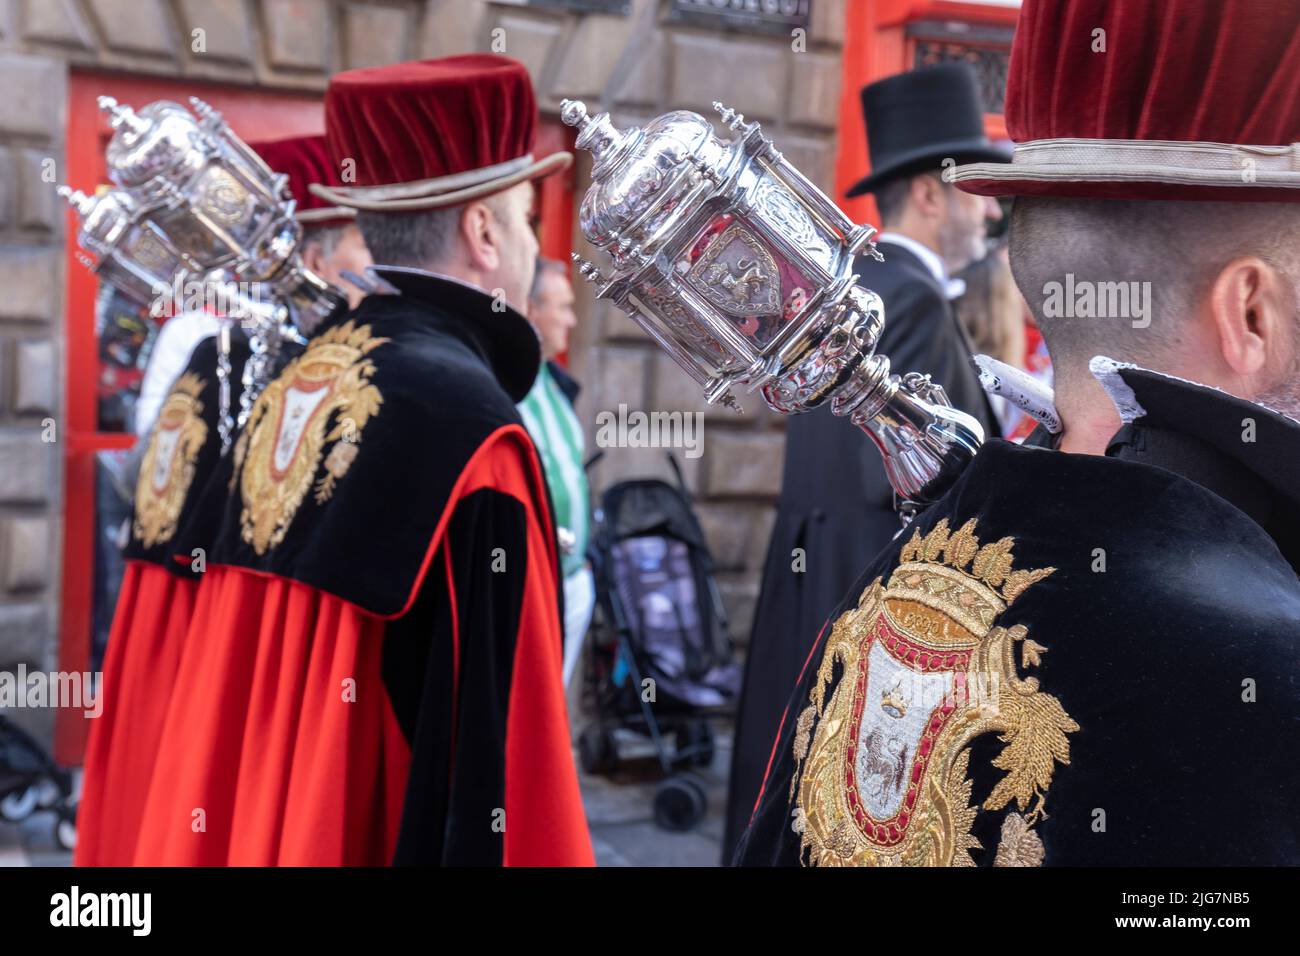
<point x="930" y="259"/>
<point x="1089" y="418"/>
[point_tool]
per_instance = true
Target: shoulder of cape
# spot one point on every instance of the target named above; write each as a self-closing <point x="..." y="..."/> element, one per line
<point x="159" y="513"/>
<point x="1179" y="544"/>
<point x="384" y="457"/>
<point x="1189" y="606"/>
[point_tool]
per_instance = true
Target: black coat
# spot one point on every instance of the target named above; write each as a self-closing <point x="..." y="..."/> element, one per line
<point x="1108" y="646"/>
<point x="837" y="505"/>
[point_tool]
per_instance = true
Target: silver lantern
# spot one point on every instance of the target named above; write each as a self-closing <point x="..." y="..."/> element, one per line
<point x="194" y="204"/>
<point x="742" y="270"/>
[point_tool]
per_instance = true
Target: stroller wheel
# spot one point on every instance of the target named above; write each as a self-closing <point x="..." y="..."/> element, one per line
<point x="19" y="804"/>
<point x="596" y="750"/>
<point x="65" y="832"/>
<point x="679" y="804"/>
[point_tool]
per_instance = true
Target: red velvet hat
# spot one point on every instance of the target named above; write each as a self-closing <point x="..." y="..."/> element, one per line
<point x="306" y="160"/>
<point x="1191" y="99"/>
<point x="433" y="133"/>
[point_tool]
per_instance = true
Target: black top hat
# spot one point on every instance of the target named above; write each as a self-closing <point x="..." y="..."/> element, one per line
<point x="917" y="119"/>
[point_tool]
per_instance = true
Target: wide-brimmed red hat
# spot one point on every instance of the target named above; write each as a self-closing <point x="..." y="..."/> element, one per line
<point x="1151" y="99"/>
<point x="306" y="161"/>
<point x="433" y="133"/>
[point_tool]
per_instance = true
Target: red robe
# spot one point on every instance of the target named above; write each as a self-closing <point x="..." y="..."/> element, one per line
<point x="154" y="608"/>
<point x="155" y="605"/>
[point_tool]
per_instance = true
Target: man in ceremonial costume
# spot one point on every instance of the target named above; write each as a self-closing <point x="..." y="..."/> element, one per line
<point x="332" y="245"/>
<point x="836" y="509"/>
<point x="156" y="600"/>
<point x="1086" y="654"/>
<point x="373" y="675"/>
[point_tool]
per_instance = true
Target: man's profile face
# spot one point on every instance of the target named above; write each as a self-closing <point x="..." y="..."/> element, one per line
<point x="348" y="255"/>
<point x="965" y="227"/>
<point x="551" y="311"/>
<point x="517" y="244"/>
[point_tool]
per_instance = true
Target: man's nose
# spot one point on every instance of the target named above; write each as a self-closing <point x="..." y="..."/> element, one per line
<point x="992" y="210"/>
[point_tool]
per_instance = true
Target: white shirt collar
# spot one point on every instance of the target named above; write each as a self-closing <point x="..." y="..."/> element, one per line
<point x="930" y="259"/>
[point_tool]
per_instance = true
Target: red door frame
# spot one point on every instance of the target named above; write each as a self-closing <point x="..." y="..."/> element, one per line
<point x="254" y="114"/>
<point x="875" y="46"/>
<point x="556" y="199"/>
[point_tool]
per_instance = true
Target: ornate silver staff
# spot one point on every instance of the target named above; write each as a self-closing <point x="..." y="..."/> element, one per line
<point x="741" y="269"/>
<point x="194" y="204"/>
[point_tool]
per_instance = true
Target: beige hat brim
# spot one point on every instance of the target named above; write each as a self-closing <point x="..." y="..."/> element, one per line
<point x="540" y="169"/>
<point x="309" y="216"/>
<point x="1165" y="162"/>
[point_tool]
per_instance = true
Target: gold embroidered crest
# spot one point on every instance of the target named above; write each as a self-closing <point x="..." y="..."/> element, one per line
<point x="925" y="670"/>
<point x="167" y="469"/>
<point x="282" y="446"/>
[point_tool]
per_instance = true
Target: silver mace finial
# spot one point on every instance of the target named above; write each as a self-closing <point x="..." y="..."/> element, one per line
<point x="574" y="113"/>
<point x="730" y="118"/>
<point x="121" y="115"/>
<point x="77" y="199"/>
<point x="203" y="110"/>
<point x="588" y="269"/>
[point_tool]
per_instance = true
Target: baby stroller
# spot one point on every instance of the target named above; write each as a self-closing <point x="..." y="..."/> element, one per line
<point x="660" y="662"/>
<point x="30" y="782"/>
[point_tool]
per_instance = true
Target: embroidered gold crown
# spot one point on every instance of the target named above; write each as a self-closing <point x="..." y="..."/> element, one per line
<point x="963" y="584"/>
<point x="188" y="384"/>
<point x="990" y="564"/>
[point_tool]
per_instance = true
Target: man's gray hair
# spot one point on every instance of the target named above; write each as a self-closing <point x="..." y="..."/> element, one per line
<point x="1172" y="251"/>
<point x="326" y="237"/>
<point x="891" y="198"/>
<point x="545" y="265"/>
<point x="414" y="239"/>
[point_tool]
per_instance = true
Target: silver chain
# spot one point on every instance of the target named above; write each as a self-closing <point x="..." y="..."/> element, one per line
<point x="225" y="423"/>
<point x="254" y="377"/>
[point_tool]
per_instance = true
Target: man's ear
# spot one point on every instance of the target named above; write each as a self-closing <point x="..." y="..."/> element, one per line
<point x="1252" y="307"/>
<point x="927" y="195"/>
<point x="312" y="257"/>
<point x="481" y="240"/>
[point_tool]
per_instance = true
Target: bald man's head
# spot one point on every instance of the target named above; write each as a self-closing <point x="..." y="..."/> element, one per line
<point x="1209" y="291"/>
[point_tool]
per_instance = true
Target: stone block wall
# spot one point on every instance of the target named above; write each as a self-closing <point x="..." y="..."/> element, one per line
<point x="31" y="343"/>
